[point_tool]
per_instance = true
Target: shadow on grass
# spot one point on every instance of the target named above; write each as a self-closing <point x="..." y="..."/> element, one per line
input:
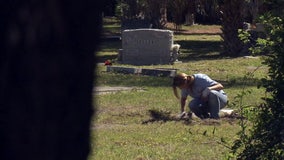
<point x="108" y="45"/>
<point x="165" y="116"/>
<point x="102" y="59"/>
<point x="200" y="50"/>
<point x="114" y="79"/>
<point x="238" y="82"/>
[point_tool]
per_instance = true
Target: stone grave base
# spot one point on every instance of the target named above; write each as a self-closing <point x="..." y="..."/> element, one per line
<point x="160" y="72"/>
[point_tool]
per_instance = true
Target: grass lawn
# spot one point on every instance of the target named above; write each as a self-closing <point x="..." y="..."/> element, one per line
<point x="119" y="131"/>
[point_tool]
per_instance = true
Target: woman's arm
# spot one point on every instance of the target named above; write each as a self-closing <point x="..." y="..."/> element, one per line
<point x="182" y="104"/>
<point x="206" y="91"/>
<point x="216" y="87"/>
<point x="182" y="107"/>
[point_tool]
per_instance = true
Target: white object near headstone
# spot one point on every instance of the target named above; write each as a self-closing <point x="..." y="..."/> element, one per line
<point x="147" y="47"/>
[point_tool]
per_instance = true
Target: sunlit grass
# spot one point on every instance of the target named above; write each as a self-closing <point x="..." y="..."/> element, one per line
<point x="202" y="37"/>
<point x="162" y="141"/>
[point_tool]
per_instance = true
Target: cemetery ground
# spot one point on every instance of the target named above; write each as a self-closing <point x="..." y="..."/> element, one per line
<point x="137" y="124"/>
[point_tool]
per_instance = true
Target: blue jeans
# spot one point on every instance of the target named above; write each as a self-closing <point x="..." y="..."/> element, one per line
<point x="210" y="108"/>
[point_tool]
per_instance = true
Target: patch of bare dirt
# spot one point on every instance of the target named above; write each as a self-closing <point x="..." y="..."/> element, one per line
<point x="189" y="119"/>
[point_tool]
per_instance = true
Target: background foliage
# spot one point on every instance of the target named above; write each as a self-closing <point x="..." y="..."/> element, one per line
<point x="266" y="139"/>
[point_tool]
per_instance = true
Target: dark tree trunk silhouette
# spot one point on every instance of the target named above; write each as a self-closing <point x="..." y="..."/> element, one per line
<point x="232" y="20"/>
<point x="47" y="67"/>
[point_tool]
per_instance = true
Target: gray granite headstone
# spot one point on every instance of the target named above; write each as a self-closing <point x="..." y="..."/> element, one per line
<point x="147" y="47"/>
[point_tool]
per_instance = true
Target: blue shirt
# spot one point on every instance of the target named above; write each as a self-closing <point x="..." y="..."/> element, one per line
<point x="201" y="81"/>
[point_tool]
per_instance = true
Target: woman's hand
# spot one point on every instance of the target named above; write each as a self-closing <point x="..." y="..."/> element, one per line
<point x="181" y="115"/>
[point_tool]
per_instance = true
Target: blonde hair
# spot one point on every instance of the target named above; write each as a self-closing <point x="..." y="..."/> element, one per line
<point x="178" y="80"/>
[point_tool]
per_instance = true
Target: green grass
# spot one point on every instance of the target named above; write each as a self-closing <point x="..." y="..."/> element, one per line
<point x="170" y="140"/>
<point x="118" y="131"/>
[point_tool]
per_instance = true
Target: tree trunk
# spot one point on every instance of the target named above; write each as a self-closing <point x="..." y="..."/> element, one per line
<point x="47" y="70"/>
<point x="232" y="20"/>
<point x="163" y="12"/>
<point x="155" y="10"/>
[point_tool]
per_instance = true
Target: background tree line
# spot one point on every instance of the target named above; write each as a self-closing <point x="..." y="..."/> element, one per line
<point x="266" y="138"/>
<point x="230" y="14"/>
<point x="180" y="11"/>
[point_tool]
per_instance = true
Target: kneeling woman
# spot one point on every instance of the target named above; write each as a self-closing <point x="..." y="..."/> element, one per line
<point x="207" y="95"/>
